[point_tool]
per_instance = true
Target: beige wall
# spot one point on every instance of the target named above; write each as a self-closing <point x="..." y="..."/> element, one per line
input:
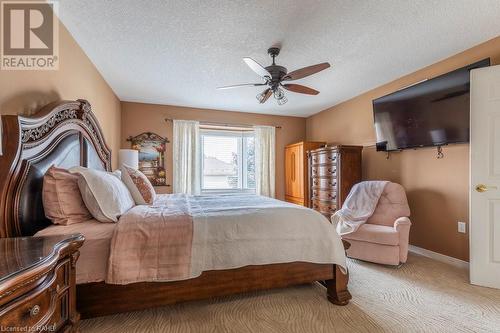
<point x="24" y="92"/>
<point x="138" y="118"/>
<point x="437" y="189"/>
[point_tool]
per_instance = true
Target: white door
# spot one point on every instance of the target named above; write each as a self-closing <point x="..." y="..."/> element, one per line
<point x="485" y="177"/>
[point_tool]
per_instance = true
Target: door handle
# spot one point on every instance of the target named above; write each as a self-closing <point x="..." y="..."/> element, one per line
<point x="483" y="188"/>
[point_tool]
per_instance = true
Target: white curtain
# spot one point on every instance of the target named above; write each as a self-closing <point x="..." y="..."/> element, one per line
<point x="186" y="157"/>
<point x="265" y="137"/>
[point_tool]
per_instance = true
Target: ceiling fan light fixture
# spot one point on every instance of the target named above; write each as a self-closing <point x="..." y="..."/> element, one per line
<point x="282" y="100"/>
<point x="280" y="97"/>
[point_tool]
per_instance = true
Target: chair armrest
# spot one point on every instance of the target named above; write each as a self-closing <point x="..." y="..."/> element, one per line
<point x="402" y="226"/>
<point x="402" y="222"/>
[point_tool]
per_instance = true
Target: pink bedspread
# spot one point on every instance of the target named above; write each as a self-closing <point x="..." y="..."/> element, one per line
<point x="153" y="243"/>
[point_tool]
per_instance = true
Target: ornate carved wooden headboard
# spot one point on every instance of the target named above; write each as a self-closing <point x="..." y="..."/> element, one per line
<point x="64" y="134"/>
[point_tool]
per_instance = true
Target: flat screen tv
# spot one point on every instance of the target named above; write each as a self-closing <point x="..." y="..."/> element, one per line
<point x="434" y="112"/>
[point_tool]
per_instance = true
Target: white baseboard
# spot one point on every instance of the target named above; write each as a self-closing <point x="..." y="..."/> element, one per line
<point x="439" y="257"/>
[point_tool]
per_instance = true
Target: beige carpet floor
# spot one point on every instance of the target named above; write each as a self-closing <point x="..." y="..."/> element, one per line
<point x="422" y="296"/>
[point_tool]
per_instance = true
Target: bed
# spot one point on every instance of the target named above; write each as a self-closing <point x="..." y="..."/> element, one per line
<point x="67" y="134"/>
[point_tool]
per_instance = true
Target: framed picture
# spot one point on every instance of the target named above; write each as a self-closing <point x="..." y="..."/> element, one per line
<point x="151" y="149"/>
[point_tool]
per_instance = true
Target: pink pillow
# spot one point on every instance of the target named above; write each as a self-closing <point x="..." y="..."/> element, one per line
<point x="62" y="201"/>
<point x="139" y="185"/>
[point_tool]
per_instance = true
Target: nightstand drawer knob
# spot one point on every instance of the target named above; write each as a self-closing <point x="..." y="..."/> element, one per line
<point x="34" y="311"/>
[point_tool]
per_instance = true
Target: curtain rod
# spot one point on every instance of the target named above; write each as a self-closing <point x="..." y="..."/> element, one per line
<point x="222" y="124"/>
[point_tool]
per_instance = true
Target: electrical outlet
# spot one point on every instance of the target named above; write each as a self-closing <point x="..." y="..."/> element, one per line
<point x="462" y="227"/>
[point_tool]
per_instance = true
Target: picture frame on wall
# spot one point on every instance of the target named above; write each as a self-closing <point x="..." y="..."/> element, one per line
<point x="151" y="147"/>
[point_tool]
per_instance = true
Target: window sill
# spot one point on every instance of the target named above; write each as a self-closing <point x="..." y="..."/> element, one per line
<point x="228" y="192"/>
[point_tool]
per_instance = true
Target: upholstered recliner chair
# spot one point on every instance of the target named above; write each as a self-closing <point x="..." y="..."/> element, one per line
<point x="384" y="237"/>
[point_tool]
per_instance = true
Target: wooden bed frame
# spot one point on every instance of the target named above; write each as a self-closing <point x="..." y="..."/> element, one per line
<point x="67" y="134"/>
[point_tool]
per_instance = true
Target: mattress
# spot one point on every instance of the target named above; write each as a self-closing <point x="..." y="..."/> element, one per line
<point x="92" y="264"/>
<point x="229" y="231"/>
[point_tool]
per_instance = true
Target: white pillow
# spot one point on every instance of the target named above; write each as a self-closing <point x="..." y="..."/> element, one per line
<point x="117" y="173"/>
<point x="90" y="201"/>
<point x="104" y="194"/>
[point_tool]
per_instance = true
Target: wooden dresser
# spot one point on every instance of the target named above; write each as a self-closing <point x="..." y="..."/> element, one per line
<point x="296" y="178"/>
<point x="332" y="171"/>
<point x="37" y="283"/>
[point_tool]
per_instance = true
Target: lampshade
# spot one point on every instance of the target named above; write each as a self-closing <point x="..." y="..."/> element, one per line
<point x="129" y="157"/>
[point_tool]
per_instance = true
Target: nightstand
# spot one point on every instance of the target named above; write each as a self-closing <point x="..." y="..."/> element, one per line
<point x="37" y="284"/>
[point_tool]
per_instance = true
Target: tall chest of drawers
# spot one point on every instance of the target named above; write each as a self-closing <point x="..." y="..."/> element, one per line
<point x="332" y="172"/>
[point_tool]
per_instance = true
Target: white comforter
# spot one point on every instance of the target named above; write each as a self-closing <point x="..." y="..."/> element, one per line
<point x="232" y="231"/>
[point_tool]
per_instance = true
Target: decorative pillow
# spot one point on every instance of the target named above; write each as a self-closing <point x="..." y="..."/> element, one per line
<point x="139" y="185"/>
<point x="62" y="201"/>
<point x="106" y="196"/>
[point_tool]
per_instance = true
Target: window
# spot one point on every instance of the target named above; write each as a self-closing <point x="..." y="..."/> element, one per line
<point x="228" y="161"/>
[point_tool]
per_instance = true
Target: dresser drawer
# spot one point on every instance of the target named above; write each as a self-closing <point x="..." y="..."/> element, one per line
<point x="31" y="310"/>
<point x="329" y="157"/>
<point x="324" y="195"/>
<point x="324" y="171"/>
<point x="324" y="183"/>
<point x="324" y="207"/>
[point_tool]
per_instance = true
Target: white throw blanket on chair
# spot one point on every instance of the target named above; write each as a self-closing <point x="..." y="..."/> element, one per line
<point x="358" y="207"/>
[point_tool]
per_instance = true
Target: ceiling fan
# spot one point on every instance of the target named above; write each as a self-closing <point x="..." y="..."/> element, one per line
<point x="276" y="76"/>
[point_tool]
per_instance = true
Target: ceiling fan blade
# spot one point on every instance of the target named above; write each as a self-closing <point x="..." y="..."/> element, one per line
<point x="264" y="96"/>
<point x="256" y="67"/>
<point x="243" y="85"/>
<point x="306" y="71"/>
<point x="300" y="89"/>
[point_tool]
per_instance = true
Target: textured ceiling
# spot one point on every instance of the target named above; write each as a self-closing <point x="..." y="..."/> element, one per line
<point x="177" y="52"/>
